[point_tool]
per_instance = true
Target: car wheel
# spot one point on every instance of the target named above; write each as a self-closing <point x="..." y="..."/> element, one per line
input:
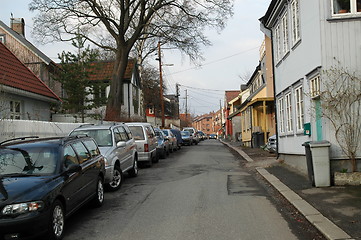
<point x="99" y="193"/>
<point x="57" y="221"/>
<point x="155" y="159"/>
<point x="117" y="180"/>
<point x="134" y="171"/>
<point x="149" y="163"/>
<point x="163" y="155"/>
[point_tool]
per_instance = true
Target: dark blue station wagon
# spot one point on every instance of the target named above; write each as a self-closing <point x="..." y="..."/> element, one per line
<point x="43" y="181"/>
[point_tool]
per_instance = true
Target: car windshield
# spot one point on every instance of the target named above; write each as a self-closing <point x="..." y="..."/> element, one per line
<point x="185" y="133"/>
<point x="103" y="137"/>
<point x="137" y="132"/>
<point x="189" y="130"/>
<point x="37" y="160"/>
<point x="165" y="132"/>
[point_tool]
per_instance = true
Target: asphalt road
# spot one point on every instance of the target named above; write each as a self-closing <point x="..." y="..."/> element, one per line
<point x="199" y="192"/>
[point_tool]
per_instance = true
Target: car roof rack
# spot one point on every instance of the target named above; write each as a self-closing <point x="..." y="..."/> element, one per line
<point x="18" y="138"/>
<point x="86" y="124"/>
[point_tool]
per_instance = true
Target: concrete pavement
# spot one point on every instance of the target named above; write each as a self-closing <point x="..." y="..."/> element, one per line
<point x="334" y="211"/>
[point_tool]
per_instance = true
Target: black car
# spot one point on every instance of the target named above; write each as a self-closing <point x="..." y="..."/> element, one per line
<point x="43" y="181"/>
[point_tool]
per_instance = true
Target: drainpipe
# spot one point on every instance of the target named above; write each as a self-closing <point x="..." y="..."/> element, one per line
<point x="274" y="88"/>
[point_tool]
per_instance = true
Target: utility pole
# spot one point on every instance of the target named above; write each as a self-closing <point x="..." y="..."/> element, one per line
<point x="161" y="84"/>
<point x="220" y="111"/>
<point x="186" y="107"/>
<point x="177" y="98"/>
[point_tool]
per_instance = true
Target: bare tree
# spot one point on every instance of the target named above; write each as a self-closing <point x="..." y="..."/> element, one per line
<point x="341" y="105"/>
<point x="116" y="25"/>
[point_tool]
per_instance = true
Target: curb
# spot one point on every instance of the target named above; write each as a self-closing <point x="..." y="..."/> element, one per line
<point x="324" y="225"/>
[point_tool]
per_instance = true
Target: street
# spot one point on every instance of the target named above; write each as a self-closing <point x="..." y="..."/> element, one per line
<point x="198" y="192"/>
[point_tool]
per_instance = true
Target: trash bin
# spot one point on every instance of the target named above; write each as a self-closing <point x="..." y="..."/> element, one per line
<point x="318" y="162"/>
<point x="309" y="162"/>
<point x="257" y="139"/>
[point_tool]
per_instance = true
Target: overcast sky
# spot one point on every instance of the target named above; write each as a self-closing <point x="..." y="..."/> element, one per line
<point x="234" y="52"/>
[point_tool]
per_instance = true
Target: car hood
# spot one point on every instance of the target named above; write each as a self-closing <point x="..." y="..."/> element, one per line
<point x="20" y="189"/>
<point x="105" y="151"/>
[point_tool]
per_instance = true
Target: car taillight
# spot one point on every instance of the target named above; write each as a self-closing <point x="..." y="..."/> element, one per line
<point x="146" y="148"/>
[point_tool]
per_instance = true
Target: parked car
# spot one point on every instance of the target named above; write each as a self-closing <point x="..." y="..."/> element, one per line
<point x="194" y="134"/>
<point x="272" y="144"/>
<point x="177" y="134"/>
<point x="212" y="136"/>
<point x="146" y="142"/>
<point x="187" y="138"/>
<point x="163" y="144"/>
<point x="172" y="139"/>
<point x="117" y="145"/>
<point x="202" y="135"/>
<point x="43" y="181"/>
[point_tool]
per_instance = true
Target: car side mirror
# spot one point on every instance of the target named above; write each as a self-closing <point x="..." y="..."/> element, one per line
<point x="121" y="144"/>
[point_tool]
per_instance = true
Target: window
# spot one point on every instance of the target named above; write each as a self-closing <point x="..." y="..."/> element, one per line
<point x="2" y="38"/>
<point x="69" y="156"/>
<point x="15" y="109"/>
<point x="315" y="87"/>
<point x="295" y="22"/>
<point x="278" y="43"/>
<point x="289" y="126"/>
<point x="346" y="6"/>
<point x="299" y="108"/>
<point x="281" y="115"/>
<point x="92" y="147"/>
<point x="285" y="34"/>
<point x="81" y="151"/>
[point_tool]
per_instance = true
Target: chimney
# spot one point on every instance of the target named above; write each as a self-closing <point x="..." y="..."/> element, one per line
<point x="18" y="25"/>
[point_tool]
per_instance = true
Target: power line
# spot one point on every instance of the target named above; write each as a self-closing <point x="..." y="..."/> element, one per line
<point x="216" y="61"/>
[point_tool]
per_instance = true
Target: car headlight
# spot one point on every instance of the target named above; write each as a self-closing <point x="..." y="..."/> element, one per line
<point x="21" y="208"/>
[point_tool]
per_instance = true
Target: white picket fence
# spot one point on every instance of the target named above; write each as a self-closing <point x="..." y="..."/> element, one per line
<point x="20" y="128"/>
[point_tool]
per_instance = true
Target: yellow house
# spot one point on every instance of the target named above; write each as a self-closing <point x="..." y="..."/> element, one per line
<point x="257" y="110"/>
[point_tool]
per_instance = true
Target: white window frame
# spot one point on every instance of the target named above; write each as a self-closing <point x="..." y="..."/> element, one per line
<point x="299" y="108"/>
<point x="15" y="109"/>
<point x="354" y="9"/>
<point x="278" y="43"/>
<point x="286" y="47"/>
<point x="288" y="108"/>
<point x="281" y="115"/>
<point x="315" y="87"/>
<point x="2" y="38"/>
<point x="295" y="23"/>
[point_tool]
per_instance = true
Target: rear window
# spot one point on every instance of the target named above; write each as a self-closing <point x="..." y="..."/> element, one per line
<point x="137" y="132"/>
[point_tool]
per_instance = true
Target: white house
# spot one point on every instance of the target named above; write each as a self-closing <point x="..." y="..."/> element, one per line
<point x="309" y="37"/>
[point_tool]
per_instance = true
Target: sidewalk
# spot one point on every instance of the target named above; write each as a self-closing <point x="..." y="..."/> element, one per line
<point x="335" y="211"/>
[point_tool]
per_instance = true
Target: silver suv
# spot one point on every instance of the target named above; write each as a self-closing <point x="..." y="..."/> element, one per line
<point x="146" y="141"/>
<point x="117" y="145"/>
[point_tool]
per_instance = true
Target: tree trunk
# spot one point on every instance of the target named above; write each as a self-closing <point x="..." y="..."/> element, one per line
<point x="353" y="162"/>
<point x="116" y="94"/>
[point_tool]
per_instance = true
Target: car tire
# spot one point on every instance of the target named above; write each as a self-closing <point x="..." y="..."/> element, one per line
<point x="163" y="155"/>
<point x="117" y="180"/>
<point x="155" y="158"/>
<point x="134" y="171"/>
<point x="149" y="163"/>
<point x="56" y="221"/>
<point x="98" y="199"/>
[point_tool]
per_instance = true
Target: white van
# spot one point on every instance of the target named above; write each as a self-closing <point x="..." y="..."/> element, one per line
<point x="146" y="142"/>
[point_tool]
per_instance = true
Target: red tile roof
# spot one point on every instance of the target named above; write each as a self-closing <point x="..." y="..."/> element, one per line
<point x="230" y="95"/>
<point x="103" y="70"/>
<point x="14" y="73"/>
